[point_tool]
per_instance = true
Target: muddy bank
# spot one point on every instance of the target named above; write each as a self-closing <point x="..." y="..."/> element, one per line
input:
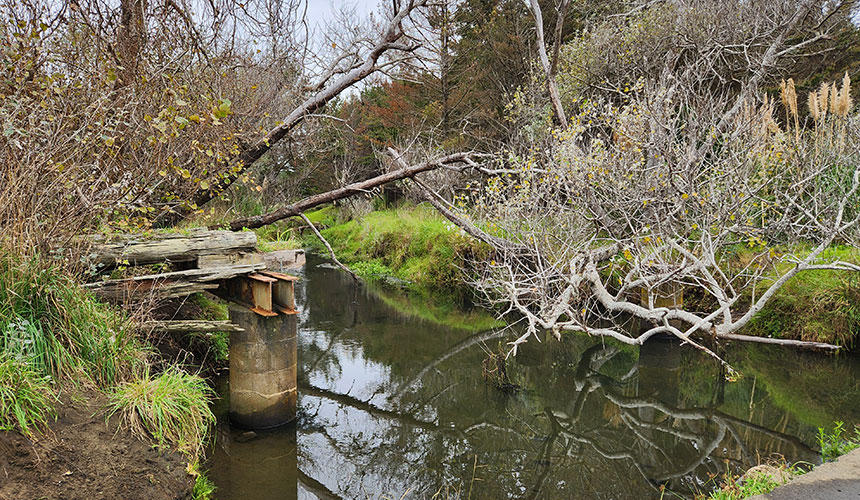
<point x="81" y="457"/>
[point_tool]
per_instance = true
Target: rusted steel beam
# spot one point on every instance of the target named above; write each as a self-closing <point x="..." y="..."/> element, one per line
<point x="266" y="293"/>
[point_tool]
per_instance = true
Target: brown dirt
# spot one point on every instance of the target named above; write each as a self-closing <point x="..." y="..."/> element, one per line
<point x="81" y="457"/>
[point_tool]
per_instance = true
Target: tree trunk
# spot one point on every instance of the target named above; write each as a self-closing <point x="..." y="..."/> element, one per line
<point x="355" y="188"/>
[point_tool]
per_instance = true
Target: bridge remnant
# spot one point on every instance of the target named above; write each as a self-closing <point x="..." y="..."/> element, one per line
<point x="263" y="330"/>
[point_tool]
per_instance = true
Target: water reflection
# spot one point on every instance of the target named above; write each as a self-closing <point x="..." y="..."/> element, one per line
<point x="393" y="404"/>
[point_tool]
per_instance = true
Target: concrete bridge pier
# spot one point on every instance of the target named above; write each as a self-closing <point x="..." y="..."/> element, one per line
<point x="262" y="369"/>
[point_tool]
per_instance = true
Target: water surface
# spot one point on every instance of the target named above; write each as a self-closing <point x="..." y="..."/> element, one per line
<point x="393" y="404"/>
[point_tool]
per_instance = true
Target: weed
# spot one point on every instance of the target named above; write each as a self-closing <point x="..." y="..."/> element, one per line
<point x="837" y="442"/>
<point x="204" y="488"/>
<point x="26" y="399"/>
<point x="172" y="408"/>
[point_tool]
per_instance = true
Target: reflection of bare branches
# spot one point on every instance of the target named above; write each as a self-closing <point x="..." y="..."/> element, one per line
<point x="346" y="400"/>
<point x="315" y="487"/>
<point x="665" y="444"/>
<point x="457" y="348"/>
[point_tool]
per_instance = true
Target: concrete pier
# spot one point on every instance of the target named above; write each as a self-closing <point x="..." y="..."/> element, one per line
<point x="262" y="370"/>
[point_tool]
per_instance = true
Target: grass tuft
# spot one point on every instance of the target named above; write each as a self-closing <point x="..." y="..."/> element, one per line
<point x="171" y="408"/>
<point x="204" y="488"/>
<point x="735" y="487"/>
<point x="26" y="398"/>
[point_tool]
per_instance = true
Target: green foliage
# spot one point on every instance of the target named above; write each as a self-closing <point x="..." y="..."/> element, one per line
<point x="412" y="243"/>
<point x="59" y="329"/>
<point x="837" y="442"/>
<point x="325" y="217"/>
<point x="172" y="408"/>
<point x="26" y="399"/>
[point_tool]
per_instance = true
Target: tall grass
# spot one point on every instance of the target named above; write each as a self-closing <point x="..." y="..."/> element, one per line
<point x="26" y="399"/>
<point x="59" y="329"/>
<point x="172" y="408"/>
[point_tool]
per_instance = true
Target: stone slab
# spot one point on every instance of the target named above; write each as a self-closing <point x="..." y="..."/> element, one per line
<point x="839" y="480"/>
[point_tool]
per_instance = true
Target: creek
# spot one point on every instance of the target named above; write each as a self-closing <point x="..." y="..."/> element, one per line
<point x="393" y="403"/>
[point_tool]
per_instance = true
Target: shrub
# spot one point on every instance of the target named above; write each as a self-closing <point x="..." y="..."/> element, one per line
<point x="172" y="408"/>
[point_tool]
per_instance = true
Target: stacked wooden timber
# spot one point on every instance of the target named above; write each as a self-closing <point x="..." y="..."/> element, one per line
<point x="222" y="262"/>
<point x="169" y="285"/>
<point x="187" y="246"/>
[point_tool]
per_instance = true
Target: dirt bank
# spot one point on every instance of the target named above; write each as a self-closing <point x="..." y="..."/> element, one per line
<point x="81" y="457"/>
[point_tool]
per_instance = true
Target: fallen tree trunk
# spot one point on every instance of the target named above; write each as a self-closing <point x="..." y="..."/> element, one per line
<point x="191" y="326"/>
<point x="168" y="247"/>
<point x="355" y="188"/>
<point x="168" y="285"/>
<point x="786" y="342"/>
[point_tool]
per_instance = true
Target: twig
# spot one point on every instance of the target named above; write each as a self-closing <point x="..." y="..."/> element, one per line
<point x="330" y="251"/>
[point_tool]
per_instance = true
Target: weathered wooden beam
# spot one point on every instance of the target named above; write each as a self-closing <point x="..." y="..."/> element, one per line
<point x="191" y="326"/>
<point x="169" y="285"/>
<point x="139" y="249"/>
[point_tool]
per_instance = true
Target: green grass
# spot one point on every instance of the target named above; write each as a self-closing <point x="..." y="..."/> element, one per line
<point x="214" y="310"/>
<point x="821" y="306"/>
<point x="413" y="243"/>
<point x="171" y="408"/>
<point x="59" y="329"/>
<point x="26" y="398"/>
<point x="735" y="488"/>
<point x="837" y="442"/>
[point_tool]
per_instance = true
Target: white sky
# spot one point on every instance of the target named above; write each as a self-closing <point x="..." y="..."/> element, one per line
<point x="320" y="11"/>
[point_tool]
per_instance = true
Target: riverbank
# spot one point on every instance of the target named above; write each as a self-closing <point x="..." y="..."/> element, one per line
<point x="89" y="408"/>
<point x="418" y="246"/>
<point x="83" y="456"/>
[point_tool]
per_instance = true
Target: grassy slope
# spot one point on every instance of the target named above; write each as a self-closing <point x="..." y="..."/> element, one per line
<point x="413" y="244"/>
<point x="816" y="305"/>
<point x="54" y="334"/>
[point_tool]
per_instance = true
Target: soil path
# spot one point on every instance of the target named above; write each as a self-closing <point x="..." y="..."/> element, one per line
<point x="80" y="457"/>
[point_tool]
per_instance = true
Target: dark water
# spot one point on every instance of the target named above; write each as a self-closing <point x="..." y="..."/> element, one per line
<point x="394" y="405"/>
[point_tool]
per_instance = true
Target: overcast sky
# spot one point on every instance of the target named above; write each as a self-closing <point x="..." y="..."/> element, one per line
<point x="319" y="11"/>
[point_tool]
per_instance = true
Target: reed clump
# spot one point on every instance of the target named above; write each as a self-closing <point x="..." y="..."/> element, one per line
<point x="60" y="330"/>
